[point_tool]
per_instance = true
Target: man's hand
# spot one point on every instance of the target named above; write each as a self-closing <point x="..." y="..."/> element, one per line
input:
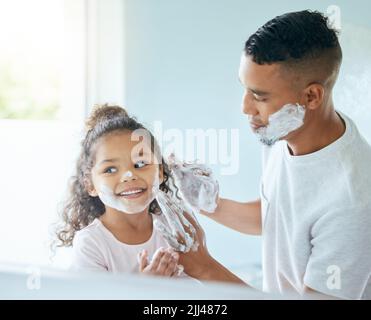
<point x="200" y="265"/>
<point x="196" y="262"/>
<point x="176" y="229"/>
<point x="196" y="183"/>
<point x="184" y="234"/>
<point x="182" y="231"/>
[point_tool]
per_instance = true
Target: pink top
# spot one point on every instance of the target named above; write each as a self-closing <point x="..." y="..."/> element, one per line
<point x="95" y="248"/>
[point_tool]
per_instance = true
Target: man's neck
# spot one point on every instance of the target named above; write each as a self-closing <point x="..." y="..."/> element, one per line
<point x="325" y="127"/>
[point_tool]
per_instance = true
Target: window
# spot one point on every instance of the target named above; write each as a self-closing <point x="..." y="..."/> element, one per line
<point x="42" y="104"/>
<point x="31" y="53"/>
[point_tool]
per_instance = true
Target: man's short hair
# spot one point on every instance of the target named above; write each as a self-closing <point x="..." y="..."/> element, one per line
<point x="297" y="39"/>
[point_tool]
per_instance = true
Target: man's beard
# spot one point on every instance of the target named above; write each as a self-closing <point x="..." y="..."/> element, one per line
<point x="289" y="118"/>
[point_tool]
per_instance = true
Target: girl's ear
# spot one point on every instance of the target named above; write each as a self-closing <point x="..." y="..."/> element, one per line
<point x="161" y="173"/>
<point x="89" y="187"/>
<point x="93" y="193"/>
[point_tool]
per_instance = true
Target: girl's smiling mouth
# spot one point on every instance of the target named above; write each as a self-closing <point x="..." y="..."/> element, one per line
<point x="132" y="193"/>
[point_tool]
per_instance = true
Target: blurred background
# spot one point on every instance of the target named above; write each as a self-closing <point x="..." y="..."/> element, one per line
<point x="173" y="61"/>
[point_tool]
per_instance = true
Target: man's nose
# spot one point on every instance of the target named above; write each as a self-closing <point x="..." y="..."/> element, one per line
<point x="248" y="106"/>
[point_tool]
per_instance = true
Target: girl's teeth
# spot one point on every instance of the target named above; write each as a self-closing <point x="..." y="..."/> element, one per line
<point x="130" y="192"/>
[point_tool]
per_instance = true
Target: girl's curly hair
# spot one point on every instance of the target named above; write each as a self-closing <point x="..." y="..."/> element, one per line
<point x="80" y="209"/>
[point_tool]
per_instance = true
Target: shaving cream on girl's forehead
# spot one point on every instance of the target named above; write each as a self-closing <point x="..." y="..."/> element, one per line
<point x="289" y="118"/>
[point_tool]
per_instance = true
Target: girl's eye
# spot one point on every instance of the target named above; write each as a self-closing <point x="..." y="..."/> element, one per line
<point x="139" y="164"/>
<point x="110" y="170"/>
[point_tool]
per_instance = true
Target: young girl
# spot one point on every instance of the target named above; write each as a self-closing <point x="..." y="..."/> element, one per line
<point x="111" y="208"/>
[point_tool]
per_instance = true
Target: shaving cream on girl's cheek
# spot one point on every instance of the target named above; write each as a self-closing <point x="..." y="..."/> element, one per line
<point x="107" y="196"/>
<point x="129" y="206"/>
<point x="289" y="118"/>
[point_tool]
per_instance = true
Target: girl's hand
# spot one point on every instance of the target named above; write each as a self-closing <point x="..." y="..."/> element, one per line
<point x="164" y="262"/>
<point x="196" y="184"/>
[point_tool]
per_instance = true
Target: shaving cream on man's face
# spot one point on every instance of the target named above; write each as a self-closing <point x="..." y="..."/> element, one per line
<point x="289" y="118"/>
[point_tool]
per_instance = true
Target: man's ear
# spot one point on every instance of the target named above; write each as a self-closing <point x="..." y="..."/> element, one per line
<point x="314" y="96"/>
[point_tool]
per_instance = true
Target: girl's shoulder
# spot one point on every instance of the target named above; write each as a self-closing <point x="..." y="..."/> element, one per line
<point x="91" y="234"/>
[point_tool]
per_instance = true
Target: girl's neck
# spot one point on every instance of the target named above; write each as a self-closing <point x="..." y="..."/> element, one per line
<point x="116" y="220"/>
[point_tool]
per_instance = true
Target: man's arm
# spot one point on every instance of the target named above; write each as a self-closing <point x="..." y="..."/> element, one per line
<point x="217" y="272"/>
<point x="201" y="265"/>
<point x="239" y="216"/>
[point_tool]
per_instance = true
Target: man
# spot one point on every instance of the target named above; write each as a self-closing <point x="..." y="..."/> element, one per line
<point x="314" y="211"/>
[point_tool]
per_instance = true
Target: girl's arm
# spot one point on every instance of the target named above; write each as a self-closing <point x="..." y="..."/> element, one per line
<point x="239" y="216"/>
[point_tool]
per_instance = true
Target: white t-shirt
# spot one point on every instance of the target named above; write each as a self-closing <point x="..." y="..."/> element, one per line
<point x="95" y="248"/>
<point x="316" y="216"/>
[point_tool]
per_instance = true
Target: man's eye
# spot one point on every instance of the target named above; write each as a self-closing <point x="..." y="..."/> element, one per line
<point x="259" y="99"/>
<point x="139" y="164"/>
<point x="110" y="170"/>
